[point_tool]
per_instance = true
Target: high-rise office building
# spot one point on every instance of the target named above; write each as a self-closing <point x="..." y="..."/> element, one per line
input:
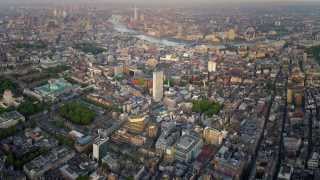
<point x="212" y="66"/>
<point x="99" y="148"/>
<point x="136" y="17"/>
<point x="157" y="86"/>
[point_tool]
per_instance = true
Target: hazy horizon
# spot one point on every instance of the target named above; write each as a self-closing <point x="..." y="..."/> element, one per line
<point x="158" y="1"/>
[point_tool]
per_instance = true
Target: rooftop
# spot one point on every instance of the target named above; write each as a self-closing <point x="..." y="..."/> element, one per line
<point x="187" y="141"/>
<point x="15" y="115"/>
<point x="54" y="86"/>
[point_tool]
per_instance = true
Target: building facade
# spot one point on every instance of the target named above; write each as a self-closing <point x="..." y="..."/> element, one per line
<point x="157" y="86"/>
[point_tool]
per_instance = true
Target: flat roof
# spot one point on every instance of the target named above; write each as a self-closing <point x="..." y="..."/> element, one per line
<point x="99" y="140"/>
<point x="10" y="115"/>
<point x="54" y="86"/>
<point x="186" y="142"/>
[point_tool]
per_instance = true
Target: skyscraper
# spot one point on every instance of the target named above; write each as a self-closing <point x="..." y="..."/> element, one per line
<point x="157" y="86"/>
<point x="135" y="13"/>
<point x="99" y="148"/>
<point x="212" y="66"/>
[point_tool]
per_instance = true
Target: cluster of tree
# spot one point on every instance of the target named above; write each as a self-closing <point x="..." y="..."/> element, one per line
<point x="62" y="140"/>
<point x="169" y="81"/>
<point x="77" y="113"/>
<point x="33" y="46"/>
<point x="30" y="107"/>
<point x="2" y="110"/>
<point x="59" y="123"/>
<point x="269" y="86"/>
<point x="53" y="71"/>
<point x="206" y="107"/>
<point x="6" y="84"/>
<point x="89" y="48"/>
<point x="18" y="162"/>
<point x="4" y="133"/>
<point x="315" y="51"/>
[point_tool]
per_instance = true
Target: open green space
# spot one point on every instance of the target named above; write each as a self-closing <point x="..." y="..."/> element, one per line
<point x="6" y="84"/>
<point x="62" y="140"/>
<point x="57" y="69"/>
<point x="207" y="107"/>
<point x="30" y="107"/>
<point x="315" y="52"/>
<point x="77" y="113"/>
<point x="33" y="46"/>
<point x="4" y="133"/>
<point x="89" y="48"/>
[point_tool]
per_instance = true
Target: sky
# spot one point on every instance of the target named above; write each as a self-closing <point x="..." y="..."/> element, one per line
<point x="162" y="1"/>
<point x="158" y="1"/>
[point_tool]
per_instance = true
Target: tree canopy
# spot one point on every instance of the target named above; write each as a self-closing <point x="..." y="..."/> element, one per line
<point x="206" y="107"/>
<point x="30" y="107"/>
<point x="33" y="46"/>
<point x="77" y="113"/>
<point x="315" y="51"/>
<point x="7" y="84"/>
<point x="89" y="48"/>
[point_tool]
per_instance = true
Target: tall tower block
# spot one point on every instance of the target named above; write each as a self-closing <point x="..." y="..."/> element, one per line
<point x="157" y="88"/>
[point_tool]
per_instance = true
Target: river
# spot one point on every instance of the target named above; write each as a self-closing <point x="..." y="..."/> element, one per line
<point x="161" y="41"/>
<point x="169" y="42"/>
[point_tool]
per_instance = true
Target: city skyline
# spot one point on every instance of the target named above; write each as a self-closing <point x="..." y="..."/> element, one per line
<point x="140" y="90"/>
<point x="146" y="2"/>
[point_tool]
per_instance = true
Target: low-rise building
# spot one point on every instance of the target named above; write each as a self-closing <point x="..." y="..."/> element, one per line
<point x="188" y="147"/>
<point x="213" y="136"/>
<point x="78" y="166"/>
<point x="9" y="119"/>
<point x="38" y="166"/>
<point x="229" y="162"/>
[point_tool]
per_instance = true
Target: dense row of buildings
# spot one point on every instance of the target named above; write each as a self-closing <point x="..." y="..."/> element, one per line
<point x="220" y="95"/>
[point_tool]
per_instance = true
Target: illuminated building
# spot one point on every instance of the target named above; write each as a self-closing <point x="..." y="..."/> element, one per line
<point x="152" y="130"/>
<point x="289" y="96"/>
<point x="122" y="136"/>
<point x="231" y="35"/>
<point x="136" y="124"/>
<point x="157" y="86"/>
<point x="212" y="66"/>
<point x="212" y="136"/>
